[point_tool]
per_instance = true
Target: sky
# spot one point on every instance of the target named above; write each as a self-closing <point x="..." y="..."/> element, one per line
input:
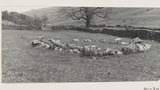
<point x="26" y="5"/>
<point x="20" y="9"/>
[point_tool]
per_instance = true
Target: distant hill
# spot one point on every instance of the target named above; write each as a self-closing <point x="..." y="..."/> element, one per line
<point x="5" y="22"/>
<point x="143" y="17"/>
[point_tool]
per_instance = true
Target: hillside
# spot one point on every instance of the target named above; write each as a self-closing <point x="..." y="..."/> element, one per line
<point x="5" y="22"/>
<point x="143" y="17"/>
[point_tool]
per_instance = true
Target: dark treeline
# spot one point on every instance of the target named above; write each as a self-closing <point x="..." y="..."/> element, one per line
<point x="132" y="33"/>
<point x="21" y="20"/>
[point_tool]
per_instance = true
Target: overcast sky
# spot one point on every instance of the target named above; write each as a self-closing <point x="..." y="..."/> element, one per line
<point x="25" y="5"/>
<point x="35" y="4"/>
<point x="20" y="9"/>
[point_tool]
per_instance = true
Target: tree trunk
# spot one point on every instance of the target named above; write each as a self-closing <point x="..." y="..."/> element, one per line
<point x="88" y="21"/>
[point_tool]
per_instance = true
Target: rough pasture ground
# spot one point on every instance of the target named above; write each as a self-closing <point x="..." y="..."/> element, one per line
<point x="23" y="63"/>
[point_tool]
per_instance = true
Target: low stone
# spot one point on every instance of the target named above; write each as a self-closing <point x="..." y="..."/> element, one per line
<point x="47" y="46"/>
<point x="102" y="40"/>
<point x="71" y="46"/>
<point x="80" y="48"/>
<point x="87" y="40"/>
<point x="40" y="38"/>
<point x="124" y="43"/>
<point x="76" y="40"/>
<point x="117" y="40"/>
<point x="35" y="43"/>
<point x="76" y="51"/>
<point x="137" y="40"/>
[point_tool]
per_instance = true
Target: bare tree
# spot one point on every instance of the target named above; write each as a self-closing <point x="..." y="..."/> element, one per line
<point x="85" y="13"/>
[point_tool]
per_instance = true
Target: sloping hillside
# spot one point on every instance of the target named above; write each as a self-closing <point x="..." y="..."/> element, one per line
<point x="5" y="22"/>
<point x="41" y="12"/>
<point x="137" y="17"/>
<point x="143" y="17"/>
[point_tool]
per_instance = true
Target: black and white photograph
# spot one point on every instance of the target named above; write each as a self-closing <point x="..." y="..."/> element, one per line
<point x="80" y="44"/>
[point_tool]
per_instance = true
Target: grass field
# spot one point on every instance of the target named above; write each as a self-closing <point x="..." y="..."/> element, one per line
<point x="23" y="63"/>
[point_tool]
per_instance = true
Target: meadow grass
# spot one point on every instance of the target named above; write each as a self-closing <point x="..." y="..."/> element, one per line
<point x="23" y="63"/>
